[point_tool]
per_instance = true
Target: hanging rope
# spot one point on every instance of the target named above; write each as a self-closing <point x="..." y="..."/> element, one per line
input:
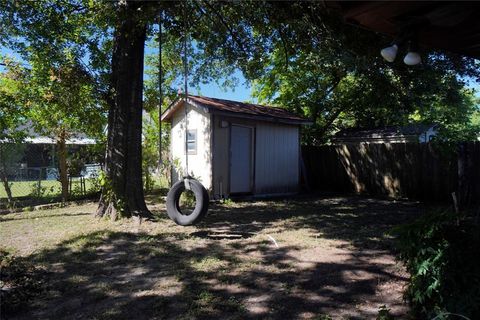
<point x="187" y="183"/>
<point x="160" y="94"/>
<point x="185" y="77"/>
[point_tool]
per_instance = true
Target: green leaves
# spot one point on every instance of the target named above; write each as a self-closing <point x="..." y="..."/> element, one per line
<point x="441" y="253"/>
<point x="297" y="55"/>
<point x="308" y="60"/>
<point x="12" y="112"/>
<point x="62" y="99"/>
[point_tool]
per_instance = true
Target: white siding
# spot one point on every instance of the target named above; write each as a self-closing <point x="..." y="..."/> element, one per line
<point x="276" y="158"/>
<point x="199" y="164"/>
<point x="276" y="152"/>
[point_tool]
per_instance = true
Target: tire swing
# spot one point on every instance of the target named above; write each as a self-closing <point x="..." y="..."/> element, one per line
<point x="174" y="209"/>
<point x="187" y="184"/>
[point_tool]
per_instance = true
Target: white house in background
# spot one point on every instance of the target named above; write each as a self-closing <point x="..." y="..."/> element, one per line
<point x="39" y="158"/>
<point x="236" y="148"/>
<point x="420" y="133"/>
<point x="32" y="136"/>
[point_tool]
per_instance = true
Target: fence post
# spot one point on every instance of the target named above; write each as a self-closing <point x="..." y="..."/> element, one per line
<point x="39" y="185"/>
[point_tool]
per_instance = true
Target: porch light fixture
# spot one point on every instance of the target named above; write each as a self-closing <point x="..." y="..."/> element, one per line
<point x="412" y="58"/>
<point x="389" y="53"/>
<point x="408" y="34"/>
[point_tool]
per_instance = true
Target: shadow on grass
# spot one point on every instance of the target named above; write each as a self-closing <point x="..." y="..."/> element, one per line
<point x="363" y="222"/>
<point x="122" y="275"/>
<point x="115" y="275"/>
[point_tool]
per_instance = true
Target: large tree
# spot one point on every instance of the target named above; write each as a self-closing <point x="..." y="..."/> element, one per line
<point x="297" y="54"/>
<point x="106" y="41"/>
<point x="123" y="164"/>
<point x="61" y="102"/>
<point x="304" y="57"/>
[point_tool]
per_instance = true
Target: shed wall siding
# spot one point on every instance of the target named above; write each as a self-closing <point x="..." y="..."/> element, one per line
<point x="276" y="158"/>
<point x="199" y="164"/>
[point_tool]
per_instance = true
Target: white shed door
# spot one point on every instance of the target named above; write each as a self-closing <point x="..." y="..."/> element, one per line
<point x="241" y="159"/>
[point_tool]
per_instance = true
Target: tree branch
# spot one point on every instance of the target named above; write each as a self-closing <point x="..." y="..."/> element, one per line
<point x="284" y="43"/>
<point x="225" y="24"/>
<point x="328" y="92"/>
<point x="335" y="115"/>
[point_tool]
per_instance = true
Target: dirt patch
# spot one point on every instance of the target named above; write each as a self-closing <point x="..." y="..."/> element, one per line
<point x="301" y="259"/>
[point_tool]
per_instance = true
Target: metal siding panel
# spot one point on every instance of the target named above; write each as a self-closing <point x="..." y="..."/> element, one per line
<point x="277" y="158"/>
<point x="241" y="162"/>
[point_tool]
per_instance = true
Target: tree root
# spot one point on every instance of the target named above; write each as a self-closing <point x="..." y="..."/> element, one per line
<point x="108" y="209"/>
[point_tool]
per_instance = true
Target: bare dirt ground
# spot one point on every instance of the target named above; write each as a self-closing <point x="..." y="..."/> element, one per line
<point x="308" y="258"/>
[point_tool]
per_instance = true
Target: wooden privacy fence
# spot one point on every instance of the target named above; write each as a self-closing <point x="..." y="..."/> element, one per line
<point x="397" y="170"/>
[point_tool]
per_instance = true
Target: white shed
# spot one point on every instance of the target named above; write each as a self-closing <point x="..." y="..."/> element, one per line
<point x="236" y="148"/>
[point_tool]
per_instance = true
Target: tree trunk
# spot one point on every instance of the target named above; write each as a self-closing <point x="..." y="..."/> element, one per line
<point x="7" y="159"/>
<point x="62" y="164"/>
<point x="123" y="162"/>
<point x="3" y="174"/>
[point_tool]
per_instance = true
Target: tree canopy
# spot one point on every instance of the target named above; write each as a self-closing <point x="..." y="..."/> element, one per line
<point x="12" y="115"/>
<point x="304" y="57"/>
<point x="298" y="55"/>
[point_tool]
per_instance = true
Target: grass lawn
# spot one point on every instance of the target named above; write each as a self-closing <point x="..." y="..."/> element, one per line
<point x="301" y="259"/>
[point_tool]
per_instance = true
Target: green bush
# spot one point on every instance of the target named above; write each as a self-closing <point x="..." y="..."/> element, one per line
<point x="384" y="314"/>
<point x="442" y="254"/>
<point x="19" y="282"/>
<point x="37" y="191"/>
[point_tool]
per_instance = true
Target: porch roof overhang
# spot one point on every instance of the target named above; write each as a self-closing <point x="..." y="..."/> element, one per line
<point x="447" y="25"/>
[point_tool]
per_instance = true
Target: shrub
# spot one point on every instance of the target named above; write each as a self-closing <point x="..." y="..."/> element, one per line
<point x="384" y="314"/>
<point x="442" y="254"/>
<point x="37" y="191"/>
<point x="19" y="282"/>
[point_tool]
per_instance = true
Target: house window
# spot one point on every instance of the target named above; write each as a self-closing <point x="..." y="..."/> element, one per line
<point x="192" y="141"/>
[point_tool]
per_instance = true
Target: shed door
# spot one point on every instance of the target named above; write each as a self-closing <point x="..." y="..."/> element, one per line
<point x="241" y="164"/>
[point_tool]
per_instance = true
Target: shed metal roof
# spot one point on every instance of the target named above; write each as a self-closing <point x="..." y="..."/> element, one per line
<point x="238" y="109"/>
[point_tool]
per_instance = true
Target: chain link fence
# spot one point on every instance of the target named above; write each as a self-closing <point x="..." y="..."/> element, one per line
<point x="29" y="173"/>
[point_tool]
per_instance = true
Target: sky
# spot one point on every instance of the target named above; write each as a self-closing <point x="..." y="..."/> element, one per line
<point x="7" y="52"/>
<point x="241" y="93"/>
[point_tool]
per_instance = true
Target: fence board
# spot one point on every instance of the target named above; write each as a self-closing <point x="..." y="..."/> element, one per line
<point x="397" y="170"/>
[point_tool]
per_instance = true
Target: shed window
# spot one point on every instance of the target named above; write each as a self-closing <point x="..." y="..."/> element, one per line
<point x="192" y="141"/>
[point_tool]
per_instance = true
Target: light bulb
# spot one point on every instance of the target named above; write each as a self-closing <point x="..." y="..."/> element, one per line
<point x="389" y="53"/>
<point x="412" y="58"/>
